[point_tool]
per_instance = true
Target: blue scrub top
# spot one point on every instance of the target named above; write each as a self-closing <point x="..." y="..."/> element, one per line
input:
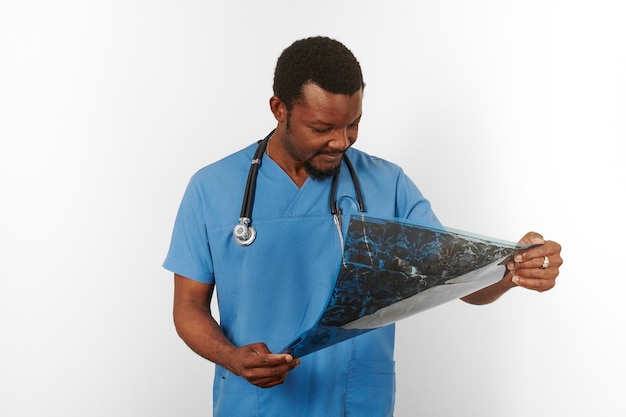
<point x="276" y="288"/>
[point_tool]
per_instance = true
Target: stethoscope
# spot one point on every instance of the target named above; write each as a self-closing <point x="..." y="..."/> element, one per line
<point x="245" y="233"/>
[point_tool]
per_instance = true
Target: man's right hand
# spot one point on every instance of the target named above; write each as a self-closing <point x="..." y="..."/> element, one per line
<point x="257" y="365"/>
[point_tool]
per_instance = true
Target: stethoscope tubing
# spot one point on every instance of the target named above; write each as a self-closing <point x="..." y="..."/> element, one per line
<point x="250" y="190"/>
<point x="357" y="187"/>
<point x="244" y="232"/>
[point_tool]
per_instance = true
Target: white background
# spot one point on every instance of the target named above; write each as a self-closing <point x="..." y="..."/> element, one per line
<point x="509" y="115"/>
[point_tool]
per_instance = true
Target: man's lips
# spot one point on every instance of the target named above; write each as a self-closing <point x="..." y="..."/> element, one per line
<point x="331" y="157"/>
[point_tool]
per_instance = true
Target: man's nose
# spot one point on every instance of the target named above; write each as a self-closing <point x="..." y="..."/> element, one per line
<point x="341" y="140"/>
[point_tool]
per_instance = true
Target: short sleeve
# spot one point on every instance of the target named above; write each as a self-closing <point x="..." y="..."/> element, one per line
<point x="189" y="254"/>
<point x="412" y="205"/>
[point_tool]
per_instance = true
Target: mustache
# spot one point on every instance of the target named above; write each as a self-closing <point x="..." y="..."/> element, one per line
<point x="331" y="153"/>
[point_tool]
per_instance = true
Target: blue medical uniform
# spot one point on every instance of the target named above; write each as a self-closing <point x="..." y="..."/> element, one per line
<point x="274" y="289"/>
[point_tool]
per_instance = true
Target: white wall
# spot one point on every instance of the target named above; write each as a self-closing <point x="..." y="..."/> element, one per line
<point x="508" y="114"/>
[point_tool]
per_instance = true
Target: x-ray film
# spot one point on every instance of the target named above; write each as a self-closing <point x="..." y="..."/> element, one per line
<point x="393" y="269"/>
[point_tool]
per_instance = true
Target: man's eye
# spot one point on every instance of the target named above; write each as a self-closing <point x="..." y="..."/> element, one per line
<point x="322" y="130"/>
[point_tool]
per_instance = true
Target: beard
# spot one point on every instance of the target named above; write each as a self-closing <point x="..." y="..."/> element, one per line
<point x="320" y="174"/>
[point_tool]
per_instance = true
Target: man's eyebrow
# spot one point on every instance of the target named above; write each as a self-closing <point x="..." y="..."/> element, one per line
<point x="322" y="122"/>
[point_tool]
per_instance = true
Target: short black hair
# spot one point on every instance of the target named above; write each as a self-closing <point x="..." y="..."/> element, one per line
<point x="320" y="60"/>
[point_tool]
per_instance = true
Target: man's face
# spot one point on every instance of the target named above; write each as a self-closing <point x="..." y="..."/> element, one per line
<point x="320" y="127"/>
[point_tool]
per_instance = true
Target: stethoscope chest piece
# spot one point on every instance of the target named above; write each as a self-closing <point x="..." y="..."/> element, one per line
<point x="244" y="232"/>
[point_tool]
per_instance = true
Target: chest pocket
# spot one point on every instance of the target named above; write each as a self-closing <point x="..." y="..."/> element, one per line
<point x="371" y="389"/>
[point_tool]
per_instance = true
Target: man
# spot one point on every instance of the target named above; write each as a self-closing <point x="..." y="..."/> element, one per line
<point x="276" y="287"/>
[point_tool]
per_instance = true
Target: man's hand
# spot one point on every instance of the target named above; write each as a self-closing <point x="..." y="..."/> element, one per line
<point x="536" y="268"/>
<point x="256" y="364"/>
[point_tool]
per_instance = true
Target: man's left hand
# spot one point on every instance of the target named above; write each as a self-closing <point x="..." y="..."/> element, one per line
<point x="536" y="268"/>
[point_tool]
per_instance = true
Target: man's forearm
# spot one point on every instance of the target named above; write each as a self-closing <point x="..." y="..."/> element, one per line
<point x="491" y="293"/>
<point x="199" y="330"/>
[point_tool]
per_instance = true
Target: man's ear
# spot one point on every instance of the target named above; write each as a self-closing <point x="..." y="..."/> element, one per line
<point x="279" y="109"/>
